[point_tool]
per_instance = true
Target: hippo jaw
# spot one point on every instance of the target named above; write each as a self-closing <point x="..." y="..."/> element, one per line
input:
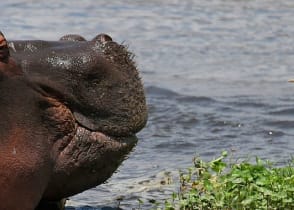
<point x="85" y="158"/>
<point x="93" y="104"/>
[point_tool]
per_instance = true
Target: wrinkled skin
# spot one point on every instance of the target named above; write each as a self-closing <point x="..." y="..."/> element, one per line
<point x="69" y="113"/>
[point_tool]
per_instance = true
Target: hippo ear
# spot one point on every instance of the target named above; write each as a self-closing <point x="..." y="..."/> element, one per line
<point x="4" y="50"/>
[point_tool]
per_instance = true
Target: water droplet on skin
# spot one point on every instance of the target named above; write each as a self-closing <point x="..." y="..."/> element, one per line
<point x="11" y="46"/>
<point x="14" y="151"/>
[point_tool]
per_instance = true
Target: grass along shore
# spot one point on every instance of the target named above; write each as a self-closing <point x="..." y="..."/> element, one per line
<point x="219" y="185"/>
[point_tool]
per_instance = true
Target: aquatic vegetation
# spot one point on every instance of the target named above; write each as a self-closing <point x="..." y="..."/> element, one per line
<point x="219" y="185"/>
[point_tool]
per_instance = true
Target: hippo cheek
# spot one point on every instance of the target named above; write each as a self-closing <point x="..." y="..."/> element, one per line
<point x="84" y="158"/>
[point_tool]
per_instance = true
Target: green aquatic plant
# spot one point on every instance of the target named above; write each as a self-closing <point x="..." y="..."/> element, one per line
<point x="219" y="185"/>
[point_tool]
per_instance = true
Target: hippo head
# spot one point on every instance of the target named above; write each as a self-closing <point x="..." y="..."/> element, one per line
<point x="75" y="104"/>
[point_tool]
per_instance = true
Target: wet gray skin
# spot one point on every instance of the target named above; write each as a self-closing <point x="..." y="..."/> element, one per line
<point x="94" y="106"/>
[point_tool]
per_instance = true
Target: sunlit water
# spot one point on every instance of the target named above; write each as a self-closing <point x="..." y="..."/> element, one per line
<point x="215" y="74"/>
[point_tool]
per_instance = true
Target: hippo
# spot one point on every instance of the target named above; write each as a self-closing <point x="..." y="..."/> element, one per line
<point x="70" y="110"/>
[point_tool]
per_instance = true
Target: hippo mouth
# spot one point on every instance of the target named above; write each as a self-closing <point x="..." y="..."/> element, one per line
<point x="72" y="125"/>
<point x="82" y="153"/>
<point x="84" y="133"/>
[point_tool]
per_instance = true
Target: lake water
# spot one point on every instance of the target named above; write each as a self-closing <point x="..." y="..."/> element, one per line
<point x="215" y="74"/>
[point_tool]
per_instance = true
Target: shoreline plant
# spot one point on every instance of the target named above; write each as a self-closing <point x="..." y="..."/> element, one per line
<point x="218" y="185"/>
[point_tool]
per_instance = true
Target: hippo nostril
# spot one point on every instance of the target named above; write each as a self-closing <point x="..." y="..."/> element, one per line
<point x="102" y="38"/>
<point x="4" y="50"/>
